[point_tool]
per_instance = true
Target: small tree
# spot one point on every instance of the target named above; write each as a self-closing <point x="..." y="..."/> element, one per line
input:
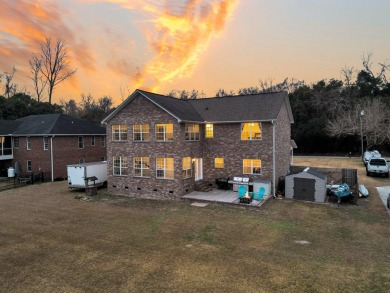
<point x="9" y="87"/>
<point x="55" y="66"/>
<point x="36" y="76"/>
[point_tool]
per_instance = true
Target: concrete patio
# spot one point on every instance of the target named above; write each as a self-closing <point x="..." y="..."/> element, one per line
<point x="222" y="196"/>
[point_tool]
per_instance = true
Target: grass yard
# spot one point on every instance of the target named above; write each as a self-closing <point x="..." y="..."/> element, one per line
<point x="51" y="242"/>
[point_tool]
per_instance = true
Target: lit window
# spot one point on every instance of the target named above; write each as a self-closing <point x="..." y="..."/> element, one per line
<point x="46" y="143"/>
<point x="251" y="166"/>
<point x="141" y="132"/>
<point x="29" y="168"/>
<point x="142" y="167"/>
<point x="81" y="142"/>
<point x="28" y="143"/>
<point x="102" y="141"/>
<point x="192" y="131"/>
<point x="16" y="142"/>
<point x="209" y="130"/>
<point x="164" y="168"/>
<point x="219" y="163"/>
<point x="187" y="170"/>
<point x="250" y="131"/>
<point x="93" y="140"/>
<point x="164" y="132"/>
<point x="119" y="166"/>
<point x="119" y="132"/>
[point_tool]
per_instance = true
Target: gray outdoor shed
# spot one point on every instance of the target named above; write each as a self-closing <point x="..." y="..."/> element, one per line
<point x="309" y="185"/>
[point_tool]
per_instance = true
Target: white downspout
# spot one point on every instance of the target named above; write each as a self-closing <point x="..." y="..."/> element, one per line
<point x="273" y="159"/>
<point x="51" y="159"/>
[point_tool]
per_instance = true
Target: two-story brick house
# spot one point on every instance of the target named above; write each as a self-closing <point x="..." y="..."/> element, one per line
<point x="159" y="146"/>
<point x="48" y="143"/>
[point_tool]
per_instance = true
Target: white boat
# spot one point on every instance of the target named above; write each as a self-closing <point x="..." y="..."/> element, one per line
<point x="363" y="192"/>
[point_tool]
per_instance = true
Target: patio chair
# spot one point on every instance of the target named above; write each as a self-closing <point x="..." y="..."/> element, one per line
<point x="241" y="191"/>
<point x="260" y="194"/>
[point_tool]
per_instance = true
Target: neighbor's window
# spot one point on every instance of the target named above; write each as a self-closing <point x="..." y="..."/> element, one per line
<point x="16" y="142"/>
<point x="119" y="166"/>
<point x="187" y="170"/>
<point x="93" y="140"/>
<point x="164" y="132"/>
<point x="102" y="141"/>
<point x="251" y="166"/>
<point x="164" y="168"/>
<point x="142" y="167"/>
<point x="219" y="163"/>
<point x="29" y="166"/>
<point x="192" y="132"/>
<point x="102" y="158"/>
<point x="209" y="130"/>
<point x="28" y="143"/>
<point x="119" y="132"/>
<point x="141" y="132"/>
<point x="45" y="143"/>
<point x="81" y="142"/>
<point x="81" y="161"/>
<point x="250" y="131"/>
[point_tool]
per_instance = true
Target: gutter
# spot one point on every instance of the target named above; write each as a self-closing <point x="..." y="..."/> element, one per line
<point x="51" y="158"/>
<point x="273" y="159"/>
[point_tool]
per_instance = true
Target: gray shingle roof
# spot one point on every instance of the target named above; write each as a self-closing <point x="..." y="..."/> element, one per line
<point x="7" y="127"/>
<point x="54" y="124"/>
<point x="259" y="107"/>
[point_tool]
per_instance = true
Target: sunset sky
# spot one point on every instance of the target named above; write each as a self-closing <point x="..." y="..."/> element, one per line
<point x="118" y="45"/>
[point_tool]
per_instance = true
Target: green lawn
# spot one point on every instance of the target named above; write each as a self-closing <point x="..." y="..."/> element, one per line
<point x="51" y="242"/>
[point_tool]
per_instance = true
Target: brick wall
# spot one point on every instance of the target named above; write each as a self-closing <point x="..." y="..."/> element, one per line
<point x="65" y="152"/>
<point x="226" y="143"/>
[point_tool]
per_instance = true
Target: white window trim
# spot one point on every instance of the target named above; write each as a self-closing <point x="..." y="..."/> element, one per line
<point x="121" y="132"/>
<point x="251" y="166"/>
<point x="190" y="134"/>
<point x="212" y="130"/>
<point x="187" y="173"/>
<point x="93" y="140"/>
<point x="142" y="132"/>
<point x="103" y="141"/>
<point x="80" y="142"/>
<point x="121" y="167"/>
<point x="142" y="169"/>
<point x="28" y="143"/>
<point x="251" y="131"/>
<point x="17" y="138"/>
<point x="45" y="143"/>
<point x="29" y="166"/>
<point x="164" y="132"/>
<point x="165" y="169"/>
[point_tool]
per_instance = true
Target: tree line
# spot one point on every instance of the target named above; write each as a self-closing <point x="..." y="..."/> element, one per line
<point x="330" y="116"/>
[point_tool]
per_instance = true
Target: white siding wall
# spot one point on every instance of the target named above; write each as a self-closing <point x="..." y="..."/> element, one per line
<point x="320" y="186"/>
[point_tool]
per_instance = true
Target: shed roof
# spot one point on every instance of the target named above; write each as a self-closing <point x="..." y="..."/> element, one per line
<point x="257" y="107"/>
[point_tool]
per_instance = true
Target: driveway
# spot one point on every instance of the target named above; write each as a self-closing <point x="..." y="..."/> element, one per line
<point x="383" y="192"/>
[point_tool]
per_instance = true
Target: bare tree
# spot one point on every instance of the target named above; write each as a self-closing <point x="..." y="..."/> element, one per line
<point x="186" y="95"/>
<point x="223" y="93"/>
<point x="36" y="76"/>
<point x="9" y="87"/>
<point x="374" y="123"/>
<point x="55" y="64"/>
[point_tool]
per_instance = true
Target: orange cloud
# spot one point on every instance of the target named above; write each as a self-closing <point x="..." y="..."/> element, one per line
<point x="177" y="34"/>
<point x="25" y="23"/>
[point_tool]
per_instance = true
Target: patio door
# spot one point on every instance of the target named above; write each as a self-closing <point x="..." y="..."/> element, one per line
<point x="198" y="168"/>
